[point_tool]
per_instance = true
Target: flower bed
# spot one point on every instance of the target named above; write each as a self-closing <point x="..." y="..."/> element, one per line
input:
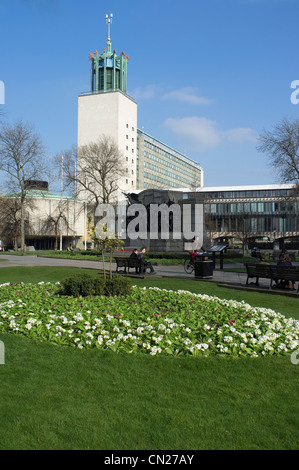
<point x="151" y="320"/>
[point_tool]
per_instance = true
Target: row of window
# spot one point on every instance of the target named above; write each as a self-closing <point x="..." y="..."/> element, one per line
<point x="254" y="224"/>
<point x="154" y="185"/>
<point x="264" y="193"/>
<point x="252" y="207"/>
<point x="162" y="152"/>
<point x="190" y="174"/>
<point x="161" y="180"/>
<point x="153" y="167"/>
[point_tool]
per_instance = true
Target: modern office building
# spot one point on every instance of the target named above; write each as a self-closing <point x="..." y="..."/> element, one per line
<point x="159" y="166"/>
<point x="262" y="216"/>
<point x="265" y="209"/>
<point x="108" y="110"/>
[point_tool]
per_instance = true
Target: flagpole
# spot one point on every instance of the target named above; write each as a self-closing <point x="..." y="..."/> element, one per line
<point x="61" y="202"/>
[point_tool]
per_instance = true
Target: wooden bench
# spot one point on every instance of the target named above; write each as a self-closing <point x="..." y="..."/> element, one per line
<point x="126" y="263"/>
<point x="272" y="272"/>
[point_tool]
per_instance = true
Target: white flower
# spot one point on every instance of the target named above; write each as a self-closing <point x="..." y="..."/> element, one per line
<point x="100" y="339"/>
<point x="227" y="339"/>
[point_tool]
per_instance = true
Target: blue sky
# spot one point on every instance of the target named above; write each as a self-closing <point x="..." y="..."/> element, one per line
<point x="208" y="75"/>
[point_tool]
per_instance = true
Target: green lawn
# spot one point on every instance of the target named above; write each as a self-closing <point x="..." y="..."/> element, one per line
<point x="59" y="398"/>
<point x="55" y="397"/>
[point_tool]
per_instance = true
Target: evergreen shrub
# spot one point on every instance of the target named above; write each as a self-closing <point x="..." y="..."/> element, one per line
<point x="85" y="284"/>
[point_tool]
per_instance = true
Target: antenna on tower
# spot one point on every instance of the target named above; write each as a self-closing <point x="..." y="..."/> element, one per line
<point x="109" y="21"/>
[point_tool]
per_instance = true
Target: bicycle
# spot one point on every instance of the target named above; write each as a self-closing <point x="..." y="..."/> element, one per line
<point x="189" y="265"/>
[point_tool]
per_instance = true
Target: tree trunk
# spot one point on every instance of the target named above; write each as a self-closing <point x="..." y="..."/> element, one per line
<point x="103" y="259"/>
<point x="110" y="264"/>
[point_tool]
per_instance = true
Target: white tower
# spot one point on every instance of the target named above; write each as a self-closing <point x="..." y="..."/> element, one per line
<point x="108" y="110"/>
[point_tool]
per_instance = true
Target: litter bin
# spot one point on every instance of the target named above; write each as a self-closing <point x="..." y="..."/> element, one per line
<point x="203" y="267"/>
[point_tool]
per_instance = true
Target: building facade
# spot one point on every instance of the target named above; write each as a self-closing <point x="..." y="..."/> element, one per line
<point x="52" y="221"/>
<point x="268" y="210"/>
<point x="257" y="215"/>
<point x="264" y="216"/>
<point x="160" y="166"/>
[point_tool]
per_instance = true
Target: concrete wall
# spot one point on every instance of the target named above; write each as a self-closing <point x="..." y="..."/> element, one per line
<point x="113" y="114"/>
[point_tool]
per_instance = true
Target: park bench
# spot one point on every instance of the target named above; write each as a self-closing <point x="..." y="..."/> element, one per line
<point x="271" y="272"/>
<point x="126" y="263"/>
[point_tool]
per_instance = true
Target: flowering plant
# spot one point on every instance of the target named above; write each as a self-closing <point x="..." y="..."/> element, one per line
<point x="150" y="320"/>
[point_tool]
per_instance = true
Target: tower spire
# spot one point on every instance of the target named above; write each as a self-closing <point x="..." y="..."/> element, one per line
<point x="108" y="70"/>
<point x="108" y="22"/>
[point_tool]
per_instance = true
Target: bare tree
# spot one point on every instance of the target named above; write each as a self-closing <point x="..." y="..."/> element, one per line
<point x="10" y="219"/>
<point x="56" y="220"/>
<point x="99" y="167"/>
<point x="21" y="155"/>
<point x="210" y="228"/>
<point x="243" y="230"/>
<point x="282" y="147"/>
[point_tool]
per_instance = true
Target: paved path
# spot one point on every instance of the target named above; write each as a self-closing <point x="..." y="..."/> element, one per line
<point x="235" y="279"/>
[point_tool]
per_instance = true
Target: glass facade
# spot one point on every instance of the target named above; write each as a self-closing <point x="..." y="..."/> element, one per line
<point x="261" y="212"/>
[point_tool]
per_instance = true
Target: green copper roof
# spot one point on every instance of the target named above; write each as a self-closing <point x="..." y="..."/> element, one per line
<point x="108" y="70"/>
<point x="37" y="193"/>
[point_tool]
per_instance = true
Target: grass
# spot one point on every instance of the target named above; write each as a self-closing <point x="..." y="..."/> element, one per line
<point x="60" y="398"/>
<point x="55" y="397"/>
<point x="39" y="273"/>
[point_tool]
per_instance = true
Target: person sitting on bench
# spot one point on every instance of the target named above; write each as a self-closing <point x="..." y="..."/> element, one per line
<point x="145" y="264"/>
<point x="284" y="260"/>
<point x="134" y="255"/>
